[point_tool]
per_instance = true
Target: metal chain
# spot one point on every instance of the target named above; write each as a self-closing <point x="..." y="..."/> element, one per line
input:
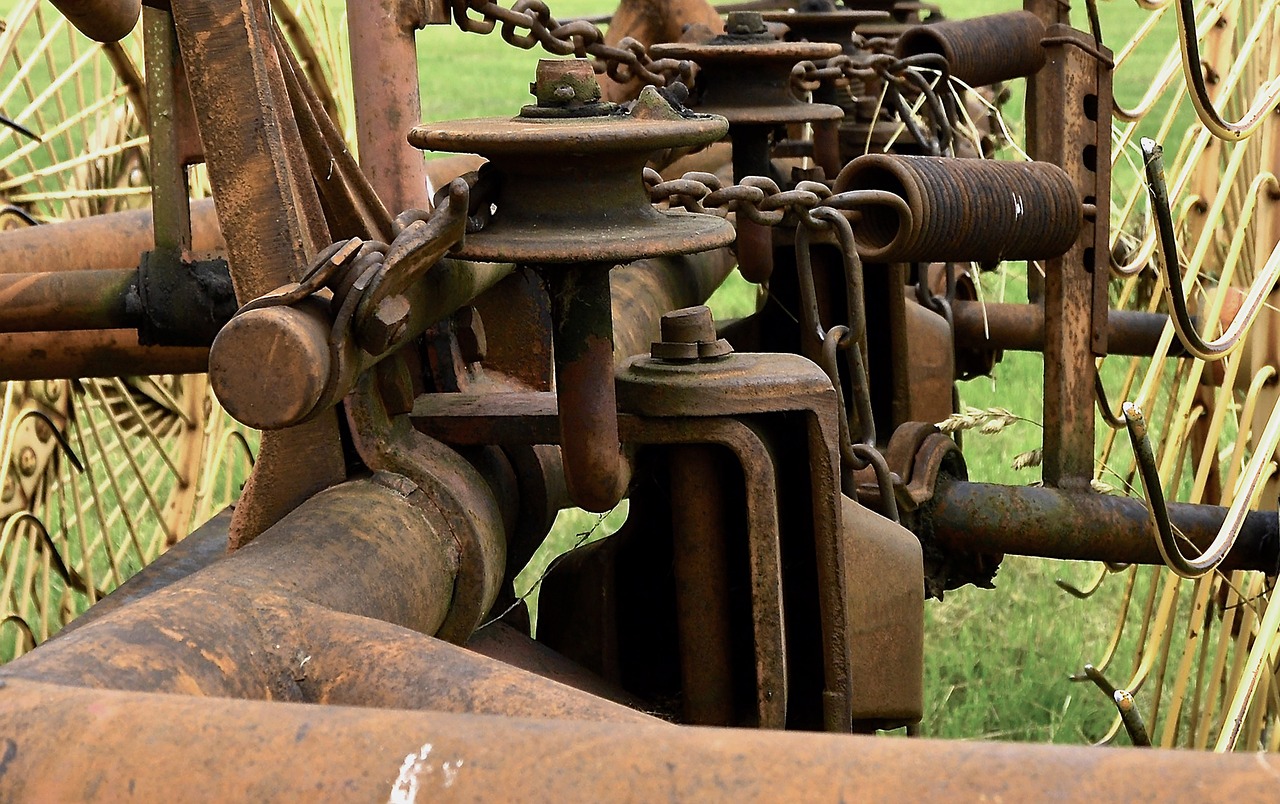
<point x="528" y="23"/>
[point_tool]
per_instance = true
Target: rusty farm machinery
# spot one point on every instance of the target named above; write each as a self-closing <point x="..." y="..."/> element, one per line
<point x="287" y="407"/>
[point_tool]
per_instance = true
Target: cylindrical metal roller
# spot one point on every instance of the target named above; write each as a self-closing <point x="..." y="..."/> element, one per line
<point x="982" y="50"/>
<point x="102" y="20"/>
<point x="964" y="209"/>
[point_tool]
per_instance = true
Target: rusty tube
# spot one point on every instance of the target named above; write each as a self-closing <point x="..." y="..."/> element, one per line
<point x="982" y="50"/>
<point x="101" y="20"/>
<point x="63" y="743"/>
<point x="595" y="470"/>
<point x="1020" y="328"/>
<point x="978" y="210"/>
<point x="66" y="300"/>
<point x="100" y="242"/>
<point x="384" y="71"/>
<point x="1084" y="526"/>
<point x="92" y="353"/>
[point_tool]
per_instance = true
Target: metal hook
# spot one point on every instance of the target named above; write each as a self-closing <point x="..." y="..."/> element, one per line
<point x="1115" y="422"/>
<point x="1166" y="540"/>
<point x="1175" y="296"/>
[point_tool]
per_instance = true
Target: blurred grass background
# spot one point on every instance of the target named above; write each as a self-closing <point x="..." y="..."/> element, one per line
<point x="997" y="661"/>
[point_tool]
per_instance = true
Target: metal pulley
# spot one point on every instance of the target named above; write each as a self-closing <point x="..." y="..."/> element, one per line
<point x="745" y="76"/>
<point x="568" y="200"/>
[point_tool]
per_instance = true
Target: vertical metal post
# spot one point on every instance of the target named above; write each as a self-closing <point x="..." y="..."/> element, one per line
<point x="1074" y="90"/>
<point x="170" y="210"/>
<point x="384" y="80"/>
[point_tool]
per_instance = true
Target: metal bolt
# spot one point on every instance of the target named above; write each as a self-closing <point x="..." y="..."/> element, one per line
<point x="744" y="23"/>
<point x="10" y="489"/>
<point x="27" y="461"/>
<point x="689" y="334"/>
<point x="43" y="431"/>
<point x="470" y="334"/>
<point x="52" y="390"/>
<point x="560" y="82"/>
<point x="387" y="325"/>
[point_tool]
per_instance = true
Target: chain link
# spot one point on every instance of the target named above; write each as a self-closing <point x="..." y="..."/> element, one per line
<point x="528" y="23"/>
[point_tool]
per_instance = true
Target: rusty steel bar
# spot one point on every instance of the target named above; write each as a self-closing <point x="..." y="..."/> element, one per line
<point x="1086" y="526"/>
<point x="68" y="744"/>
<point x="99" y="243"/>
<point x="92" y="353"/>
<point x="66" y="300"/>
<point x="595" y="470"/>
<point x="384" y="81"/>
<point x="1020" y="328"/>
<point x="101" y="20"/>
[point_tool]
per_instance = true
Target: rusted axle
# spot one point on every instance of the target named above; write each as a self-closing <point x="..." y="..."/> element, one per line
<point x="92" y="353"/>
<point x="1020" y="328"/>
<point x="1084" y="526"/>
<point x="66" y="300"/>
<point x="65" y="743"/>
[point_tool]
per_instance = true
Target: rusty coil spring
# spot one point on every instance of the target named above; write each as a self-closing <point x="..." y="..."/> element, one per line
<point x="982" y="50"/>
<point x="962" y="210"/>
<point x="528" y="23"/>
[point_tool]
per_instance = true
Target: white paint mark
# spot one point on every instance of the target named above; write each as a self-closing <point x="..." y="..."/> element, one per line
<point x="416" y="767"/>
<point x="405" y="790"/>
<point x="450" y="770"/>
<point x="1017" y="205"/>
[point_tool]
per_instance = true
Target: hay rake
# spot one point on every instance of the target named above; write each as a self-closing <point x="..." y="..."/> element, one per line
<point x="423" y="365"/>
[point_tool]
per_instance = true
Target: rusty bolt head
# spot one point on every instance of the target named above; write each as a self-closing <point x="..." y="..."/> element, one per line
<point x="387" y="325"/>
<point x="561" y="82"/>
<point x="27" y="461"/>
<point x="744" y="23"/>
<point x="52" y="390"/>
<point x="689" y="334"/>
<point x="10" y="489"/>
<point x="470" y="334"/>
<point x="43" y="431"/>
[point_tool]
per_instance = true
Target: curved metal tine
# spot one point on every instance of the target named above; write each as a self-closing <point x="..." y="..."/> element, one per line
<point x="1222" y="543"/>
<point x="1124" y="702"/>
<point x="23" y="626"/>
<point x="1198" y="90"/>
<point x="1089" y="588"/>
<point x="68" y="575"/>
<point x="1115" y="422"/>
<point x="1175" y="296"/>
<point x="57" y="435"/>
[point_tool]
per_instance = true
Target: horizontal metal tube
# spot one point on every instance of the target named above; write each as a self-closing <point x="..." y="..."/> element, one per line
<point x="99" y="242"/>
<point x="63" y="743"/>
<point x="66" y="300"/>
<point x="101" y="20"/>
<point x="92" y="353"/>
<point x="1083" y="526"/>
<point x="1020" y="328"/>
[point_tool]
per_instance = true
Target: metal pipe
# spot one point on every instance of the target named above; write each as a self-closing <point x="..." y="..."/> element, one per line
<point x="1084" y="526"/>
<point x="67" y="300"/>
<point x="384" y="81"/>
<point x="1020" y="328"/>
<point x="101" y="20"/>
<point x="595" y="470"/>
<point x="92" y="353"/>
<point x="99" y="242"/>
<point x="68" y="744"/>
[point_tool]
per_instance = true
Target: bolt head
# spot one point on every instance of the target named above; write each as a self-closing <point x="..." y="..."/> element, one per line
<point x="27" y="461"/>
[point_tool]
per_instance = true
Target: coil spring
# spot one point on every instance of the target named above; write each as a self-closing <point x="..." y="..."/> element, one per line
<point x="982" y="50"/>
<point x="962" y="210"/>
